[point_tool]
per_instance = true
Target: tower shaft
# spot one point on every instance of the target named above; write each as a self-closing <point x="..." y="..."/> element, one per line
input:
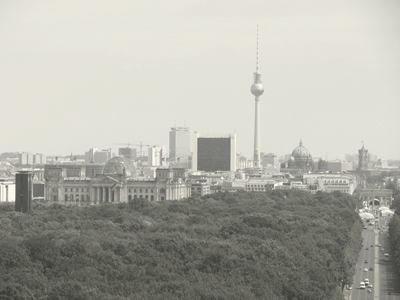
<point x="256" y="157"/>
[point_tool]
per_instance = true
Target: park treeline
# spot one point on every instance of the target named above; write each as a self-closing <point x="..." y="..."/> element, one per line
<point x="394" y="230"/>
<point x="276" y="245"/>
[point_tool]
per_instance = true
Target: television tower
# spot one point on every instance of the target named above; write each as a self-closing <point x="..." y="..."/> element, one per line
<point x="257" y="90"/>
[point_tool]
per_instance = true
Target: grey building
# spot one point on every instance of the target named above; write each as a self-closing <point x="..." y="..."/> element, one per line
<point x="179" y="144"/>
<point x="214" y="152"/>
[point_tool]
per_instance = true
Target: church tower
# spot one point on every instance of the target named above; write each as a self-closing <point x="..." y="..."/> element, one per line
<point x="363" y="159"/>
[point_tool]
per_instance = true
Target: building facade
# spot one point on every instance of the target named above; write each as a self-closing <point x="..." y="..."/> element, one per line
<point x="214" y="152"/>
<point x="117" y="183"/>
<point x="179" y="144"/>
<point x="363" y="159"/>
<point x="7" y="190"/>
<point x="129" y="153"/>
<point x="23" y="192"/>
<point x="155" y="156"/>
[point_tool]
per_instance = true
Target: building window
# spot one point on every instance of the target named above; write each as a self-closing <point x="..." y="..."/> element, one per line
<point x="71" y="197"/>
<point x="152" y="190"/>
<point x="129" y="190"/>
<point x="88" y="198"/>
<point x="65" y="197"/>
<point x="82" y="189"/>
<point x="146" y="190"/>
<point x="134" y="190"/>
<point x="77" y="189"/>
<point x="135" y="197"/>
<point x="146" y="197"/>
<point x="71" y="190"/>
<point x="129" y="197"/>
<point x="55" y="198"/>
<point x="140" y="190"/>
<point x="152" y="198"/>
<point x="66" y="190"/>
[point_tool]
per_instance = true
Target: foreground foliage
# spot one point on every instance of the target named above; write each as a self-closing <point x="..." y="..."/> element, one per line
<point x="275" y="245"/>
<point x="394" y="229"/>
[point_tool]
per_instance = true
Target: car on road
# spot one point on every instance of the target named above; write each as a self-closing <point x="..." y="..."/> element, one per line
<point x="367" y="248"/>
<point x="365" y="269"/>
<point x="371" y="269"/>
<point x="366" y="261"/>
<point x="365" y="227"/>
<point x="372" y="245"/>
<point x="362" y="285"/>
<point x="366" y="280"/>
<point x="369" y="285"/>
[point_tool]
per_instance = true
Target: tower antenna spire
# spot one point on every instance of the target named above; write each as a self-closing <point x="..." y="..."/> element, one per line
<point x="257" y="52"/>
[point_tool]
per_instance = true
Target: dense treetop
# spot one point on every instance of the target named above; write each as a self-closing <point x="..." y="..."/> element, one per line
<point x="274" y="245"/>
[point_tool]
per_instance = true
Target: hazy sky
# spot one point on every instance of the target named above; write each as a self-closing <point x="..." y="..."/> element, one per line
<point x="81" y="74"/>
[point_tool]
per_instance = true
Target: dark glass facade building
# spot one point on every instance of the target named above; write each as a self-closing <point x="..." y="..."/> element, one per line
<point x="215" y="153"/>
<point x="23" y="192"/>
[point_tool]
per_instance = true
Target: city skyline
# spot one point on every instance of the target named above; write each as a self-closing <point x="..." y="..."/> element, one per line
<point x="81" y="75"/>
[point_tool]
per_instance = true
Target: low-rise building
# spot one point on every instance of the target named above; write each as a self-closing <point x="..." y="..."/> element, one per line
<point x="117" y="183"/>
<point x="7" y="190"/>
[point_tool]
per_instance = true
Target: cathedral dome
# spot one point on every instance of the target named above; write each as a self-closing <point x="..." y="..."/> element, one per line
<point x="119" y="165"/>
<point x="300" y="152"/>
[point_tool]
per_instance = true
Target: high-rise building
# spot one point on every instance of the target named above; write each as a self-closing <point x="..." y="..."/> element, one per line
<point x="214" y="152"/>
<point x="179" y="144"/>
<point x="257" y="90"/>
<point x="26" y="158"/>
<point x="129" y="153"/>
<point x="89" y="156"/>
<point x="23" y="192"/>
<point x="94" y="155"/>
<point x="155" y="155"/>
<point x="39" y="158"/>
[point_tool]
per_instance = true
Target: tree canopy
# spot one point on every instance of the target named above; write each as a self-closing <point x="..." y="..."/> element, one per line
<point x="275" y="245"/>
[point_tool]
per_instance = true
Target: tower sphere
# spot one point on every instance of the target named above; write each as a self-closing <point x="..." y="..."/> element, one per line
<point x="257" y="89"/>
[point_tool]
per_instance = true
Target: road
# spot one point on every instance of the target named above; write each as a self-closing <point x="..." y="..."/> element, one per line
<point x="383" y="277"/>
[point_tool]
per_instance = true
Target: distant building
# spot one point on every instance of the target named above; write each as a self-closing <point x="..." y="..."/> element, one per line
<point x="23" y="192"/>
<point x="25" y="158"/>
<point x="155" y="156"/>
<point x="271" y="163"/>
<point x="179" y="146"/>
<point x="129" y="153"/>
<point x="337" y="166"/>
<point x="7" y="190"/>
<point x="382" y="163"/>
<point x="118" y="182"/>
<point x="214" y="152"/>
<point x="299" y="162"/>
<point x="363" y="159"/>
<point x="94" y="155"/>
<point x="39" y="159"/>
<point x="345" y="183"/>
